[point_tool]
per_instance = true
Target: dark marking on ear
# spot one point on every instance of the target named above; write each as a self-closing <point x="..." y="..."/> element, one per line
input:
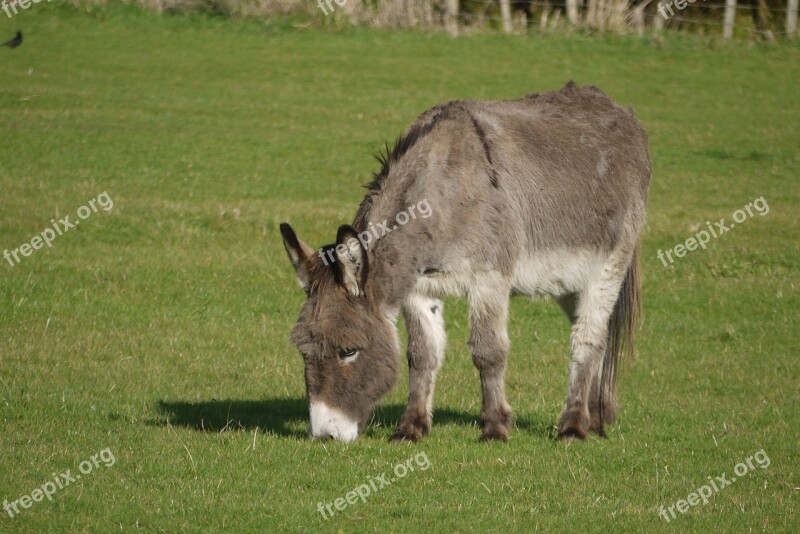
<point x="298" y="253"/>
<point x="289" y="236"/>
<point x="482" y="136"/>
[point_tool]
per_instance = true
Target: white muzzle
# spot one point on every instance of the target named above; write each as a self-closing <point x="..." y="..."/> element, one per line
<point x="327" y="422"/>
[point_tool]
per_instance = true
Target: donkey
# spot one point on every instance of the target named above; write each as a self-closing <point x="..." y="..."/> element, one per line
<point x="539" y="196"/>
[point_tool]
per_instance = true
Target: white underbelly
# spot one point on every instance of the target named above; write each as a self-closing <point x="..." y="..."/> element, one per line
<point x="556" y="273"/>
<point x="552" y="274"/>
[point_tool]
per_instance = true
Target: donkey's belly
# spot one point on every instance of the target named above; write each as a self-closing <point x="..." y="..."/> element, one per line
<point x="551" y="273"/>
<point x="556" y="273"/>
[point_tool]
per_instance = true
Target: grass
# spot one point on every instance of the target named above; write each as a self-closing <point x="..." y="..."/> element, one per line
<point x="159" y="329"/>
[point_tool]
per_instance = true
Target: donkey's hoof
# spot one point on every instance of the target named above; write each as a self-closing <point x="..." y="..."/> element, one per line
<point x="569" y="435"/>
<point x="401" y="434"/>
<point x="496" y="425"/>
<point x="411" y="431"/>
<point x="494" y="432"/>
<point x="574" y="425"/>
<point x="413" y="427"/>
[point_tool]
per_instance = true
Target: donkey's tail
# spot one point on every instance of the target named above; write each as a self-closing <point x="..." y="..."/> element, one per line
<point x="621" y="328"/>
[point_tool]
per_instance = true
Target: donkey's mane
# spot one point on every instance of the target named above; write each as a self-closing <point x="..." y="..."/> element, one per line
<point x="389" y="156"/>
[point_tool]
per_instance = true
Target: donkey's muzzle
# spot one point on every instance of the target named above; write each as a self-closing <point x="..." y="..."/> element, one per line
<point x="327" y="422"/>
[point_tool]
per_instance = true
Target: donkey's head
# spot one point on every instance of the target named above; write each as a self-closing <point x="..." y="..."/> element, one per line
<point x="349" y="345"/>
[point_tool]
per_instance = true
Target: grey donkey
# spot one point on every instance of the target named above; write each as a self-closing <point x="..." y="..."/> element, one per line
<point x="544" y="195"/>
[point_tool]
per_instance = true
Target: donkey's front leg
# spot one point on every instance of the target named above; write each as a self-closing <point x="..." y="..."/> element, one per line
<point x="489" y="345"/>
<point x="426" y="345"/>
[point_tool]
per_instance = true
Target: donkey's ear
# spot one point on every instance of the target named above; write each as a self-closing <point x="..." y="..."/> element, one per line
<point x="298" y="253"/>
<point x="351" y="265"/>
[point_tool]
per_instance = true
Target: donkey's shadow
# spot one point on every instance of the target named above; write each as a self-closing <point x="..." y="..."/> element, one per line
<point x="288" y="417"/>
<point x="280" y="416"/>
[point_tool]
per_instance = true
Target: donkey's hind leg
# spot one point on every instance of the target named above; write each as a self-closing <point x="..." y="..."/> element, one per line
<point x="569" y="303"/>
<point x="426" y="345"/>
<point x="488" y="302"/>
<point x="590" y="311"/>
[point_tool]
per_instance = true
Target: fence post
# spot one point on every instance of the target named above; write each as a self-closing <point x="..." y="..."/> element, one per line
<point x="451" y="17"/>
<point x="637" y="18"/>
<point x="505" y="11"/>
<point x="730" y="16"/>
<point x="791" y="19"/>
<point x="544" y="16"/>
<point x="658" y="22"/>
<point x="572" y="12"/>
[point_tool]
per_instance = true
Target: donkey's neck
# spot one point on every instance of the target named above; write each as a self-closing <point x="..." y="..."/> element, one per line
<point x="394" y="263"/>
<point x="394" y="252"/>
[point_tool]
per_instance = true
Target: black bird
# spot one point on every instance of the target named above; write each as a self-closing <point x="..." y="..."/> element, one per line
<point x="14" y="41"/>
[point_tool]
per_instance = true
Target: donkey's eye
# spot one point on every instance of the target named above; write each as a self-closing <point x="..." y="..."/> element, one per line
<point x="345" y="354"/>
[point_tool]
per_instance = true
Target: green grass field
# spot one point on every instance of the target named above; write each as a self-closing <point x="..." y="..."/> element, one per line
<point x="159" y="329"/>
